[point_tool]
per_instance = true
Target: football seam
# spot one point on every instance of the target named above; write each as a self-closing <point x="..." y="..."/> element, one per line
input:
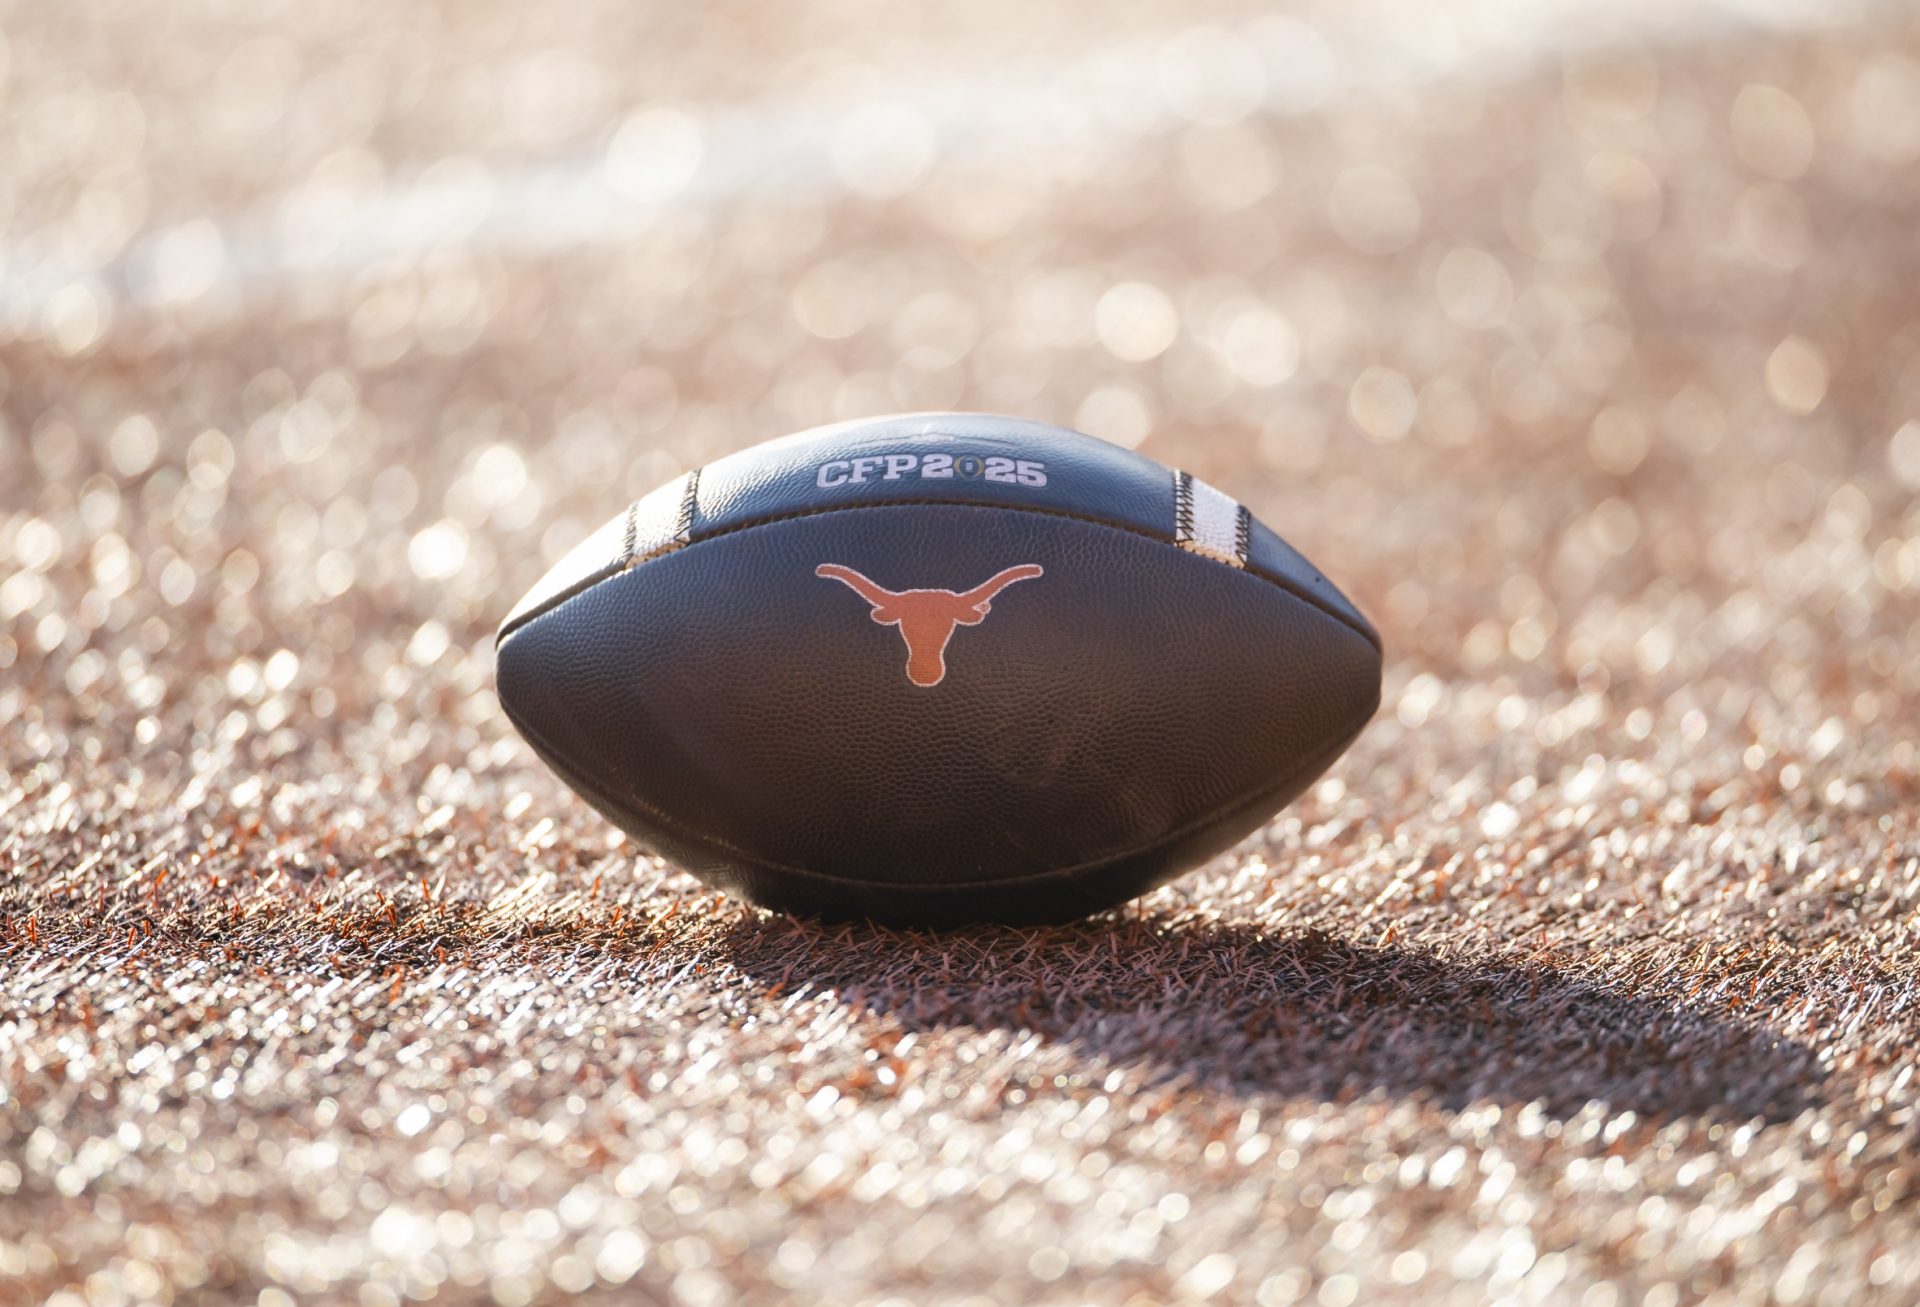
<point x="573" y="777"/>
<point x="621" y="565"/>
<point x="628" y="557"/>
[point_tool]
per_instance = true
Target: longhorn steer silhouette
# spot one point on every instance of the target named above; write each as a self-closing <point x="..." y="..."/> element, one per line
<point x="926" y="618"/>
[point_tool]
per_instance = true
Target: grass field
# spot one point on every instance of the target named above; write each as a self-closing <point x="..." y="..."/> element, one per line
<point x="1578" y="342"/>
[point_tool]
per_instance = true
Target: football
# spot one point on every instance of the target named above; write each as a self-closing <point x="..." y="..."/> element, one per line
<point x="937" y="669"/>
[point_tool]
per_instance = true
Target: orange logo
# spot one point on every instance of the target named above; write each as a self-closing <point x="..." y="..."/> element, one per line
<point x="926" y="618"/>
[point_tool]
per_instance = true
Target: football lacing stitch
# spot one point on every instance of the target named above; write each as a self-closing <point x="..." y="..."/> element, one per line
<point x="1209" y="523"/>
<point x="631" y="541"/>
<point x="1182" y="509"/>
<point x="683" y="528"/>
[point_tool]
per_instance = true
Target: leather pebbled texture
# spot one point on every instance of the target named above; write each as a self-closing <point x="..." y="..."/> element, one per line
<point x="1104" y="724"/>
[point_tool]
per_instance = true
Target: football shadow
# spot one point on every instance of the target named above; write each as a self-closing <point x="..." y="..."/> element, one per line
<point x="1299" y="1015"/>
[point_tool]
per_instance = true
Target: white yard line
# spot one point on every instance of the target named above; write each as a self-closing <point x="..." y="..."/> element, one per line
<point x="1071" y="112"/>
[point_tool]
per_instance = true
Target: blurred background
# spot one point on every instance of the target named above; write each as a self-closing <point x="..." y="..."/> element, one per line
<point x="1578" y="341"/>
<point x="1576" y="338"/>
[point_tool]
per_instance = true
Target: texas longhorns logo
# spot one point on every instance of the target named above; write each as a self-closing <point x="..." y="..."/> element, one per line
<point x="926" y="618"/>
